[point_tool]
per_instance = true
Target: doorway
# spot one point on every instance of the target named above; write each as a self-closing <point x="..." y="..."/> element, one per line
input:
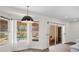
<point x="55" y="34"/>
<point x="59" y="34"/>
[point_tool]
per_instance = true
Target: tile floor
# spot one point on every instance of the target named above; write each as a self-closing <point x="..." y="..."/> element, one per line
<point x="56" y="48"/>
<point x="60" y="48"/>
<point x="33" y="50"/>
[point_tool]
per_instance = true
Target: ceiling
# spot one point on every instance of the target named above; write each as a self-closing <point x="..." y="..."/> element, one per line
<point x="67" y="13"/>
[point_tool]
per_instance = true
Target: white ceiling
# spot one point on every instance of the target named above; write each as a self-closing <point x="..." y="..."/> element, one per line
<point x="68" y="13"/>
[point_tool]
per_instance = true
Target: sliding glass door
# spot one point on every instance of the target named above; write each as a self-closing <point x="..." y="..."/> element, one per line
<point x="55" y="34"/>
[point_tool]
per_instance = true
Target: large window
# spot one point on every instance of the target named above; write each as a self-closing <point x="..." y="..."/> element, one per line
<point x="21" y="30"/>
<point x="3" y="31"/>
<point x="35" y="31"/>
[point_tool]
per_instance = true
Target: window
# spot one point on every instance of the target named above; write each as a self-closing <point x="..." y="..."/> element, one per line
<point x="35" y="31"/>
<point x="3" y="31"/>
<point x="21" y="30"/>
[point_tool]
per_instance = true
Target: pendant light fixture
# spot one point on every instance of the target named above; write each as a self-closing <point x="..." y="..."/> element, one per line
<point x="27" y="18"/>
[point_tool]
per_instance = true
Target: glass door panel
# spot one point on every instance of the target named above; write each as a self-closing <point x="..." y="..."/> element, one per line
<point x="52" y="35"/>
<point x="55" y="34"/>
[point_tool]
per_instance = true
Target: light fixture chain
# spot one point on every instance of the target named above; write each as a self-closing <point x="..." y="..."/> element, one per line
<point x="27" y="10"/>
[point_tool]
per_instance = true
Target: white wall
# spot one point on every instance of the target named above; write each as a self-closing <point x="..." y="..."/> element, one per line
<point x="74" y="31"/>
<point x="67" y="33"/>
<point x="43" y="38"/>
<point x="43" y="28"/>
<point x="43" y="33"/>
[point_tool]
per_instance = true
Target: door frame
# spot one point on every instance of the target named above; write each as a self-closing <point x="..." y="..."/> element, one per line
<point x="63" y="30"/>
